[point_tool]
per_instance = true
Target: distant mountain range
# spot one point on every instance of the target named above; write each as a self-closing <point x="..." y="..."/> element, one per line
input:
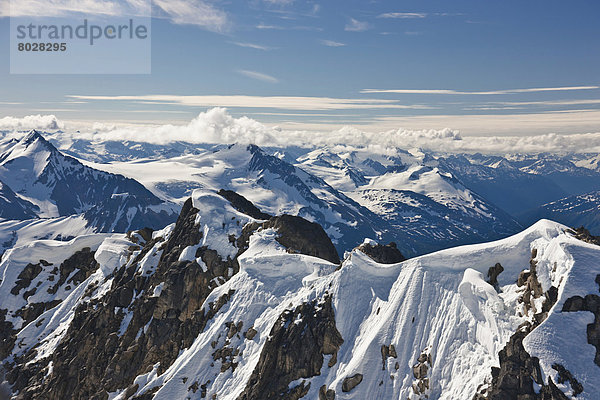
<point x="423" y="201"/>
<point x="40" y="181"/>
<point x="575" y="211"/>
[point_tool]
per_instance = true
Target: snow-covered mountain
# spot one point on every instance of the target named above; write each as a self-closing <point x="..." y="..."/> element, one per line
<point x="521" y="182"/>
<point x="48" y="184"/>
<point x="575" y="211"/>
<point x="502" y="183"/>
<point x="413" y="195"/>
<point x="225" y="305"/>
<point x="274" y="185"/>
<point x="396" y="197"/>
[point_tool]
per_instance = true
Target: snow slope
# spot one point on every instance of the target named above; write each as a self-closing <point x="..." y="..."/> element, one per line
<point x="439" y="304"/>
<point x="437" y="311"/>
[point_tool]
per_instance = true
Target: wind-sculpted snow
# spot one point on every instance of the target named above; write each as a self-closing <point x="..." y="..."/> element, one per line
<point x="428" y="327"/>
<point x="438" y="302"/>
<point x="439" y="305"/>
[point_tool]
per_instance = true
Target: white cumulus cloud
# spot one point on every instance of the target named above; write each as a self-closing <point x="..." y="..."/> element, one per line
<point x="41" y="122"/>
<point x="218" y="126"/>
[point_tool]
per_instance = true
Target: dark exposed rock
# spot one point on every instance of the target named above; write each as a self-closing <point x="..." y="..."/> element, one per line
<point x="424" y="363"/>
<point x="83" y="261"/>
<point x="590" y="303"/>
<point x="551" y="392"/>
<point x="28" y="274"/>
<point x="301" y="236"/>
<point x="518" y="369"/>
<point x="493" y="273"/>
<point x="388" y="254"/>
<point x="297" y="342"/>
<point x="243" y="205"/>
<point x="532" y="287"/>
<point x="250" y="333"/>
<point x="564" y="375"/>
<point x="34" y="310"/>
<point x="297" y="235"/>
<point x="326" y="394"/>
<point x="351" y="382"/>
<point x="583" y="234"/>
<point x="93" y="359"/>
<point x="8" y="336"/>
<point x="387" y="351"/>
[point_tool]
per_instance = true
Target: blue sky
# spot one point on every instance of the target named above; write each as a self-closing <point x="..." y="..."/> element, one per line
<point x="467" y="65"/>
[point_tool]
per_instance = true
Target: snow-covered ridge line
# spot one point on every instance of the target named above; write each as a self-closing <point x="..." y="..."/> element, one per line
<point x="204" y="312"/>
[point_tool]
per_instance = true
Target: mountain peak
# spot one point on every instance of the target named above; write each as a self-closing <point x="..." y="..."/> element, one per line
<point x="32" y="136"/>
<point x="35" y="137"/>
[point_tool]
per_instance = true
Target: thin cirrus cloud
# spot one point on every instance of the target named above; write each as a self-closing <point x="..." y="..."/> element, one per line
<point x="402" y="15"/>
<point x="494" y="92"/>
<point x="252" y="46"/>
<point x="356" y="26"/>
<point x="182" y="12"/>
<point x="274" y="102"/>
<point x="332" y="43"/>
<point x="514" y="105"/>
<point x="60" y="8"/>
<point x="194" y="12"/>
<point x="258" y="76"/>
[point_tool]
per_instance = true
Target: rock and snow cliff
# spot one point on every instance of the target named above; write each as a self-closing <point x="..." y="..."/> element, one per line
<point x="225" y="305"/>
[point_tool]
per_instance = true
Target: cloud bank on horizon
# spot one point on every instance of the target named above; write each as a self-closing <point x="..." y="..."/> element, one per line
<point x="217" y="126"/>
<point x="41" y="122"/>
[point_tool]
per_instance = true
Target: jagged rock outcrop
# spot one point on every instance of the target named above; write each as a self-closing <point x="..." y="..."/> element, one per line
<point x="590" y="303"/>
<point x="99" y="354"/>
<point x="583" y="234"/>
<point x="148" y="315"/>
<point x="387" y="351"/>
<point x="351" y="382"/>
<point x="420" y="371"/>
<point x="383" y="254"/>
<point x="7" y="336"/>
<point x="242" y="204"/>
<point x="297" y="235"/>
<point x="493" y="273"/>
<point x="518" y="370"/>
<point x="565" y="376"/>
<point x="326" y="394"/>
<point x="296" y="347"/>
<point x="301" y="236"/>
